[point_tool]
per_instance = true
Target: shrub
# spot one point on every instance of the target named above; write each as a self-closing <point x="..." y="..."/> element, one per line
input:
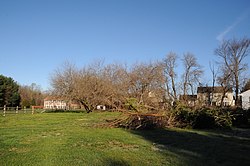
<point x="182" y="117"/>
<point x="240" y="117"/>
<point x="131" y="104"/>
<point x="223" y="118"/>
<point x="203" y="120"/>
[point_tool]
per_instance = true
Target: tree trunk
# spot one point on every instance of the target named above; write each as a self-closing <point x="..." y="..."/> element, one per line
<point x="174" y="90"/>
<point x="237" y="103"/>
<point x="86" y="106"/>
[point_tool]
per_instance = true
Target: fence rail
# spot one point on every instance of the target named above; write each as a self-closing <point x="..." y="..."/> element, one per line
<point x="18" y="110"/>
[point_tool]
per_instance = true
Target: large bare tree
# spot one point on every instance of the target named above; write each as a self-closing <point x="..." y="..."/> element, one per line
<point x="214" y="72"/>
<point x="225" y="80"/>
<point x="91" y="85"/>
<point x="170" y="65"/>
<point x="146" y="83"/>
<point x="117" y="78"/>
<point x="63" y="79"/>
<point x="232" y="53"/>
<point x="192" y="73"/>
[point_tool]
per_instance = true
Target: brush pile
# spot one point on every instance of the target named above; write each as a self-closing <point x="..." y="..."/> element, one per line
<point x="139" y="121"/>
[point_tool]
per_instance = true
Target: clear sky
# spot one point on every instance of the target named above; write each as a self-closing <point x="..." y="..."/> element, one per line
<point x="37" y="36"/>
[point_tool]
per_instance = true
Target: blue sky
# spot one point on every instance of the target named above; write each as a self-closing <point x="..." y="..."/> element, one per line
<point x="37" y="36"/>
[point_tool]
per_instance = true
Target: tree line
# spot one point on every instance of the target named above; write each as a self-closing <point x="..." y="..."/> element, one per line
<point x="152" y="86"/>
<point x="147" y="88"/>
<point x="141" y="86"/>
<point x="9" y="94"/>
<point x="12" y="94"/>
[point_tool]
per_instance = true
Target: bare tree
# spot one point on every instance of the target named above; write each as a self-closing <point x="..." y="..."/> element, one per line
<point x="94" y="86"/>
<point x="63" y="79"/>
<point x="170" y="67"/>
<point x="75" y="85"/>
<point x="146" y="83"/>
<point x="233" y="52"/>
<point x="117" y="78"/>
<point x="192" y="73"/>
<point x="225" y="79"/>
<point x="90" y="89"/>
<point x="31" y="95"/>
<point x="90" y="86"/>
<point x="214" y="72"/>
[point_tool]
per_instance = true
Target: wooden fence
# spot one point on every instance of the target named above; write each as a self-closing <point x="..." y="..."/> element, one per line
<point x="19" y="110"/>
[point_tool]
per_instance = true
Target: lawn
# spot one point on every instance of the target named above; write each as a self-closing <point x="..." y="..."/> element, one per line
<point x="75" y="139"/>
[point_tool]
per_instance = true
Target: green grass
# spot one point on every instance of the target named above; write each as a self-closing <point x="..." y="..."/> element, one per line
<point x="73" y="139"/>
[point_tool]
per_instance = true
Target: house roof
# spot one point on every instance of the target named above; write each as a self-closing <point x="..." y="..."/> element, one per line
<point x="209" y="89"/>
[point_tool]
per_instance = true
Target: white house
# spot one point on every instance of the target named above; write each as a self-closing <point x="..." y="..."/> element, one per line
<point x="56" y="102"/>
<point x="213" y="96"/>
<point x="52" y="102"/>
<point x="101" y="107"/>
<point x="245" y="99"/>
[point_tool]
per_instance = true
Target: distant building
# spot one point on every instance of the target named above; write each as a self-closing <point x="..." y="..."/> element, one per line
<point x="245" y="99"/>
<point x="213" y="96"/>
<point x="101" y="107"/>
<point x="52" y="102"/>
<point x="55" y="102"/>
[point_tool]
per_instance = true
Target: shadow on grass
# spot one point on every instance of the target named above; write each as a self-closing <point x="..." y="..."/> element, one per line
<point x="201" y="148"/>
<point x="115" y="162"/>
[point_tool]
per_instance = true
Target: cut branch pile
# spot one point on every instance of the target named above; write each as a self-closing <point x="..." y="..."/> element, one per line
<point x="137" y="121"/>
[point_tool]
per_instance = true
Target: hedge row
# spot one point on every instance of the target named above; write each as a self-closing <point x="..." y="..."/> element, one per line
<point x="206" y="118"/>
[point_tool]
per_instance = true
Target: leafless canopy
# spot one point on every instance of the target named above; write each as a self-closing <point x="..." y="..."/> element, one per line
<point x="192" y="73"/>
<point x="232" y="54"/>
<point x="170" y="65"/>
<point x="109" y="85"/>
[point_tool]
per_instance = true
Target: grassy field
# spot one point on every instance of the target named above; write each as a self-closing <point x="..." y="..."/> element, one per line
<point x="74" y="139"/>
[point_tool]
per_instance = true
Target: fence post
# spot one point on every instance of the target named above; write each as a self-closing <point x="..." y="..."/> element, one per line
<point x="4" y="110"/>
<point x="24" y="108"/>
<point x="32" y="110"/>
<point x="16" y="109"/>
